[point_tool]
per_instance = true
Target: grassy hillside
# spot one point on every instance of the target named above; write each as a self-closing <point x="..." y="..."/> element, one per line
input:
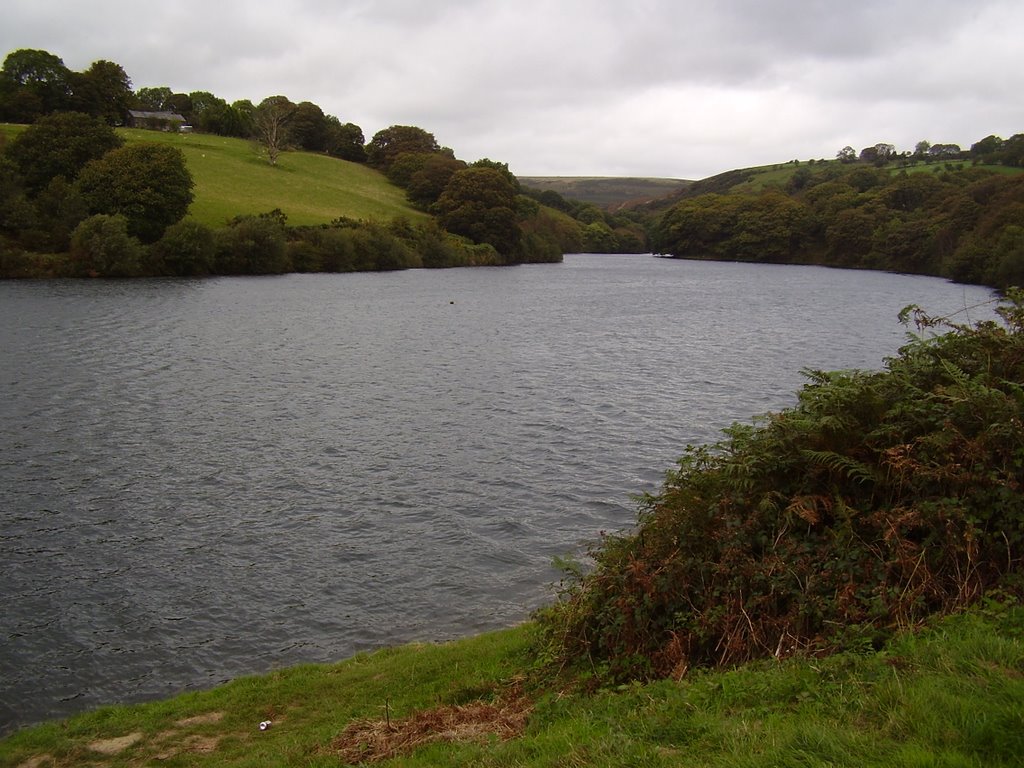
<point x="232" y="178"/>
<point x="953" y="695"/>
<point x="606" y="192"/>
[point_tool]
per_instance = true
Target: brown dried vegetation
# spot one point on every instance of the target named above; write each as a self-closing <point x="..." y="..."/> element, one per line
<point x="368" y="741"/>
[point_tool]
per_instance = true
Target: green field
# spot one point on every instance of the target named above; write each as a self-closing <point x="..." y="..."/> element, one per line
<point x="232" y="178"/>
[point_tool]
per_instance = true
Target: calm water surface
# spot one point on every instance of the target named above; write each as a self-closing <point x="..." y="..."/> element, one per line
<point x="201" y="479"/>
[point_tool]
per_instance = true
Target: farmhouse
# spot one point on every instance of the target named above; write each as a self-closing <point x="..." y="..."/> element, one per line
<point x="157" y="121"/>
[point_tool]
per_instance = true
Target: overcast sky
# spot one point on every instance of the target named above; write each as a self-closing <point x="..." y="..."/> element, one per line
<point x="669" y="88"/>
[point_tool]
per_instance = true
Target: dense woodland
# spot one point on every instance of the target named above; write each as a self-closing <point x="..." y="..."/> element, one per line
<point x="954" y="219"/>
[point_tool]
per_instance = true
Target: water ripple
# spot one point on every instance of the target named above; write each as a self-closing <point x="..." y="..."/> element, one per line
<point x="208" y="478"/>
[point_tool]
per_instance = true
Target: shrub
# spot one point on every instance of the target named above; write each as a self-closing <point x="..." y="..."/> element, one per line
<point x="879" y="500"/>
<point x="102" y="247"/>
<point x="253" y="245"/>
<point x="186" y="248"/>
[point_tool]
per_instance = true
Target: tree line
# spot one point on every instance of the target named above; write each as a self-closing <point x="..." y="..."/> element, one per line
<point x="36" y="83"/>
<point x="992" y="150"/>
<point x="957" y="221"/>
<point x="931" y="211"/>
<point x="77" y="201"/>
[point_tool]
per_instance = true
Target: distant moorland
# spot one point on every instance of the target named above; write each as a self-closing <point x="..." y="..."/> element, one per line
<point x="611" y="193"/>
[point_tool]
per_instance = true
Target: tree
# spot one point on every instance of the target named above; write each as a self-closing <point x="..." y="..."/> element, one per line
<point x="502" y="168"/>
<point x="104" y="91"/>
<point x="148" y="184"/>
<point x="1008" y="257"/>
<point x="344" y="140"/>
<point x="428" y="183"/>
<point x="270" y="123"/>
<point x="60" y="145"/>
<point x="205" y="112"/>
<point x="308" y="127"/>
<point x="987" y="146"/>
<point x="480" y="203"/>
<point x="245" y="112"/>
<point x="846" y="155"/>
<point x="386" y="145"/>
<point x="944" y="150"/>
<point x="36" y="83"/>
<point x="180" y="103"/>
<point x="879" y="154"/>
<point x="225" y="120"/>
<point x="59" y="209"/>
<point x="402" y="168"/>
<point x="1012" y="151"/>
<point x="156" y="99"/>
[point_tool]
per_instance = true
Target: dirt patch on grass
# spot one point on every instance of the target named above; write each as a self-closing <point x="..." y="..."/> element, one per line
<point x="39" y="761"/>
<point x="192" y="744"/>
<point x="175" y="741"/>
<point x="369" y="741"/>
<point x="204" y="719"/>
<point x="115" y="745"/>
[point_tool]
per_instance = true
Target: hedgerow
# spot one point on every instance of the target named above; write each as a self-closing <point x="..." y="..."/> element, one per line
<point x="880" y="499"/>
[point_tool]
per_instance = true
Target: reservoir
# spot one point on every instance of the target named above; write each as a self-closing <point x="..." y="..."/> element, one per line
<point x="203" y="479"/>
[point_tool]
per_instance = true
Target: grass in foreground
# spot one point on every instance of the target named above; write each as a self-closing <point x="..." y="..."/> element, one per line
<point x="950" y="696"/>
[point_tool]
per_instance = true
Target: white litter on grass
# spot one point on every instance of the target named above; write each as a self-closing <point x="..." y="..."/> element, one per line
<point x="264" y="725"/>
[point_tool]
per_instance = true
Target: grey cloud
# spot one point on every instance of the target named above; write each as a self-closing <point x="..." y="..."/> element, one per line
<point x="659" y="87"/>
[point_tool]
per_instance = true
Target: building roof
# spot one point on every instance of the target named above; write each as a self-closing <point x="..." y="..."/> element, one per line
<point x="172" y="117"/>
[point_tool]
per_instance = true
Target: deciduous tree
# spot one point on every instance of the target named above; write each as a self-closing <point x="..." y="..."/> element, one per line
<point x="271" y="120"/>
<point x="104" y="91"/>
<point x="35" y="83"/>
<point x="148" y="184"/>
<point x="60" y="145"/>
<point x="345" y="140"/>
<point x="386" y="145"/>
<point x="308" y="127"/>
<point x="480" y="203"/>
<point x="154" y="99"/>
<point x="428" y="183"/>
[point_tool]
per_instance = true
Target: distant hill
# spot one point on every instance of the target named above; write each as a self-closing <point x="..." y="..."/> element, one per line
<point x="611" y="192"/>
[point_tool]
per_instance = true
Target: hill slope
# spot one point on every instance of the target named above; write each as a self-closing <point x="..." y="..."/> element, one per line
<point x="232" y="178"/>
<point x="606" y="191"/>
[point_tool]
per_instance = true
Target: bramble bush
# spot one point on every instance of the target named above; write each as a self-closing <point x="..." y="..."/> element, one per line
<point x="880" y="499"/>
